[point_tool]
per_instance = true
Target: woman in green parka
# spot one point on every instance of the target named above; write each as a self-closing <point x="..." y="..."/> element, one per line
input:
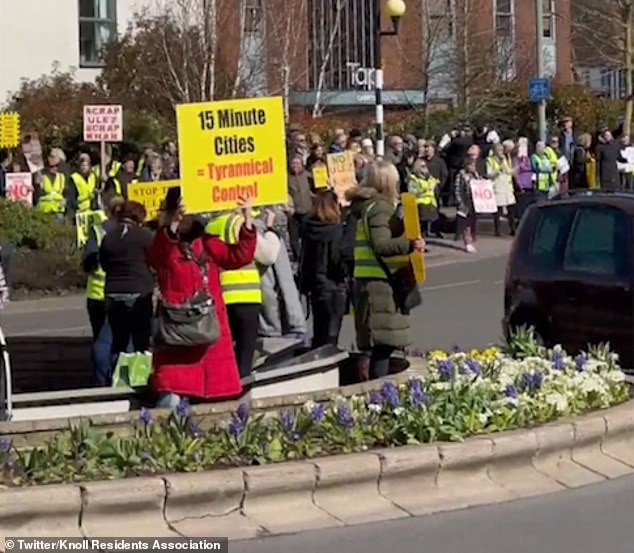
<point x="381" y="325"/>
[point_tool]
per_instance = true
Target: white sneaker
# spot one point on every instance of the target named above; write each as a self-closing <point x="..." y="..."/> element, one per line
<point x="471" y="248"/>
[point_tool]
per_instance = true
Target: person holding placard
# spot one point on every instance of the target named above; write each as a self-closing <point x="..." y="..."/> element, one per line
<point x="84" y="186"/>
<point x="385" y="287"/>
<point x="52" y="197"/>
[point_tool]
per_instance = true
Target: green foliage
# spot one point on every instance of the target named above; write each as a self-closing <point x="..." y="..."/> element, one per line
<point x="46" y="256"/>
<point x="465" y="394"/>
<point x="52" y="106"/>
<point x="29" y="228"/>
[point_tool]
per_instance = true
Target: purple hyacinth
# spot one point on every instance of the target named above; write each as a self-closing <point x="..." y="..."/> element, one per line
<point x="5" y="444"/>
<point x="375" y="398"/>
<point x="183" y="409"/>
<point x="243" y="412"/>
<point x="580" y="361"/>
<point x="145" y="416"/>
<point x="417" y="396"/>
<point x="194" y="430"/>
<point x="474" y="366"/>
<point x="390" y="394"/>
<point x="287" y="420"/>
<point x="446" y="369"/>
<point x="236" y="426"/>
<point x="558" y="360"/>
<point x="318" y="413"/>
<point x="532" y="381"/>
<point x="511" y="391"/>
<point x="344" y="416"/>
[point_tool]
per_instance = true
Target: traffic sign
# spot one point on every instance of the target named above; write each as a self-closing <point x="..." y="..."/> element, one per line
<point x="538" y="90"/>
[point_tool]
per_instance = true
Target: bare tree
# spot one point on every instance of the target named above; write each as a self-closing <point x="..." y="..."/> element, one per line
<point x="325" y="53"/>
<point x="606" y="28"/>
<point x="286" y="37"/>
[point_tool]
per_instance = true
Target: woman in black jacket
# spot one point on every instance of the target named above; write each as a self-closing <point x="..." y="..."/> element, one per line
<point x="324" y="268"/>
<point x="129" y="282"/>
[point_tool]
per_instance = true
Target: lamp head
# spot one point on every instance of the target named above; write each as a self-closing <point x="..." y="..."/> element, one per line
<point x="395" y="8"/>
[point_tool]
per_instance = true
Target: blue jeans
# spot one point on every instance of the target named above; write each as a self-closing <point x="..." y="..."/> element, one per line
<point x="101" y="343"/>
<point x="167" y="400"/>
<point x="279" y="277"/>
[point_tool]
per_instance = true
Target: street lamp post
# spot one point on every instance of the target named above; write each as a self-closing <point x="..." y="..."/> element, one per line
<point x="396" y="10"/>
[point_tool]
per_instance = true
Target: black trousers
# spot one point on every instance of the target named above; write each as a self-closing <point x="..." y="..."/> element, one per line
<point x="243" y="321"/>
<point x="327" y="318"/>
<point x="510" y="214"/>
<point x="380" y="361"/>
<point x="130" y="320"/>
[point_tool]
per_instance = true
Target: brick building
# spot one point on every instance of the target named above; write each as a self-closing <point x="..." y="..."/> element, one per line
<point x="443" y="47"/>
<point x="313" y="51"/>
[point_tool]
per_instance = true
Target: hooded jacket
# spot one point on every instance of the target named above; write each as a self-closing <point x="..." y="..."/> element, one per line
<point x="323" y="266"/>
<point x="377" y="319"/>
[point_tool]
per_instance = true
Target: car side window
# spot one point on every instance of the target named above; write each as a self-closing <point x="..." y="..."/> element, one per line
<point x="598" y="242"/>
<point x="549" y="238"/>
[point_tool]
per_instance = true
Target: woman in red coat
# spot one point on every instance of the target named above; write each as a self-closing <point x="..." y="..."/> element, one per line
<point x="205" y="372"/>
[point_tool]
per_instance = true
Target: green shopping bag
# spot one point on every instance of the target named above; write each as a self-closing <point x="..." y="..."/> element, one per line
<point x="133" y="370"/>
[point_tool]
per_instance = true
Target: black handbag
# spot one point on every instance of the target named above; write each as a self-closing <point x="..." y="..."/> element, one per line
<point x="192" y="323"/>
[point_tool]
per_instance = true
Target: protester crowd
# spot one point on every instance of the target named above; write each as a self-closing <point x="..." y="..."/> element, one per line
<point x="198" y="291"/>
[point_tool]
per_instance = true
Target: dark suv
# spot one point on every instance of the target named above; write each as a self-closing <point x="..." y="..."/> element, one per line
<point x="570" y="272"/>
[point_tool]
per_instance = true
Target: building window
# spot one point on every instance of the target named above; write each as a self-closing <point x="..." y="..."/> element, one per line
<point x="549" y="19"/>
<point x="441" y="17"/>
<point x="97" y="27"/>
<point x="505" y="39"/>
<point x="341" y="44"/>
<point x="253" y="16"/>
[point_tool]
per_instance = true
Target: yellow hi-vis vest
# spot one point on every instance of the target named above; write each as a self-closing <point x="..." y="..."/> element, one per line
<point x="423" y="189"/>
<point x="553" y="158"/>
<point x="52" y="198"/>
<point x="85" y="189"/>
<point x="544" y="181"/>
<point x="113" y="171"/>
<point x="96" y="284"/>
<point x="239" y="285"/>
<point x="365" y="262"/>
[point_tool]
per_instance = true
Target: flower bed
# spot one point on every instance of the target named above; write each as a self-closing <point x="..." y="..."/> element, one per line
<point x="466" y="393"/>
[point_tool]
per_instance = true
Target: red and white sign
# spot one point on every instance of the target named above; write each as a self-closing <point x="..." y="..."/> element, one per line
<point x="20" y="187"/>
<point x="483" y="196"/>
<point x="103" y="123"/>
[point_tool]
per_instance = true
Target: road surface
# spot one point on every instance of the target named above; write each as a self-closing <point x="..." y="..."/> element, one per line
<point x="595" y="519"/>
<point x="462" y="305"/>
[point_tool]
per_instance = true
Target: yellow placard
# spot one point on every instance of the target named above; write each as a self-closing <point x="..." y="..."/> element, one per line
<point x="9" y="130"/>
<point x="412" y="232"/>
<point x="232" y="149"/>
<point x="84" y="221"/>
<point x="320" y="176"/>
<point x="151" y="195"/>
<point x="341" y="171"/>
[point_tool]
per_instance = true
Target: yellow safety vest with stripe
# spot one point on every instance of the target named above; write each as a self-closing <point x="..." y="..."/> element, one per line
<point x="423" y="189"/>
<point x="85" y="189"/>
<point x="365" y="262"/>
<point x="112" y="172"/>
<point x="553" y="158"/>
<point x="96" y="284"/>
<point x="239" y="285"/>
<point x="543" y="177"/>
<point x="52" y="198"/>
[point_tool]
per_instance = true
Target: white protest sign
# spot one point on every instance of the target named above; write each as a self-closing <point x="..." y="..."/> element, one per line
<point x="103" y="123"/>
<point x="563" y="166"/>
<point x="20" y="187"/>
<point x="483" y="196"/>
